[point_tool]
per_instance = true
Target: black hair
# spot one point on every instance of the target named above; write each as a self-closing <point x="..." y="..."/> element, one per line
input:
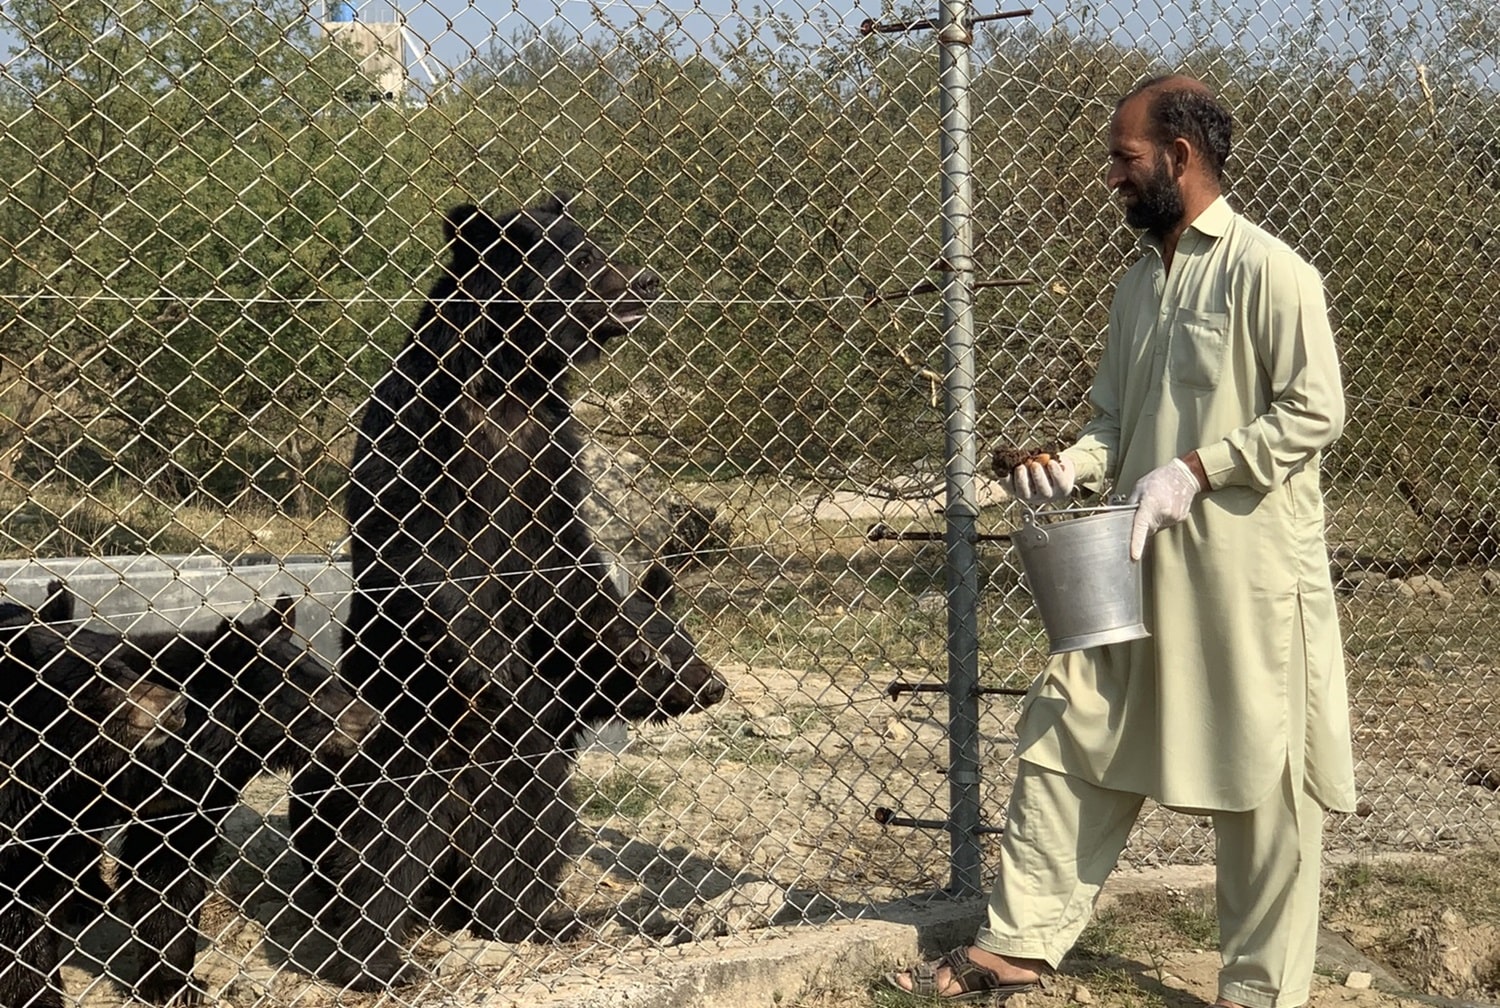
<point x="1182" y="109"/>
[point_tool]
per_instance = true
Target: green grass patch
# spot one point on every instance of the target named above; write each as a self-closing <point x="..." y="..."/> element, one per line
<point x="1469" y="879"/>
<point x="1106" y="937"/>
<point x="1116" y="987"/>
<point x="47" y="521"/>
<point x="1143" y="926"/>
<point x="618" y="794"/>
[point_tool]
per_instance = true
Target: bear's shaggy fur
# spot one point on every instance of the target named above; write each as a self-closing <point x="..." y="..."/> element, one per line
<point x="70" y="724"/>
<point x="253" y="698"/>
<point x="485" y="625"/>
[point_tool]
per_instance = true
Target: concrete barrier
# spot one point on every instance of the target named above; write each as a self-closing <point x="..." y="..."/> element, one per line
<point x="147" y="594"/>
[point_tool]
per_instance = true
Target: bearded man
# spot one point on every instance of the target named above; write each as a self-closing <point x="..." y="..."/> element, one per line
<point x="1216" y="394"/>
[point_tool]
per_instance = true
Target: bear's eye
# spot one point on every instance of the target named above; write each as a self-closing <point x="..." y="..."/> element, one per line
<point x="585" y="259"/>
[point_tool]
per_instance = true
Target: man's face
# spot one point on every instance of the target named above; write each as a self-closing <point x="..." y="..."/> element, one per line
<point x="1141" y="172"/>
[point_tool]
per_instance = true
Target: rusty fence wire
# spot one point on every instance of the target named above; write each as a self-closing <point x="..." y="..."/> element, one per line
<point x="333" y="662"/>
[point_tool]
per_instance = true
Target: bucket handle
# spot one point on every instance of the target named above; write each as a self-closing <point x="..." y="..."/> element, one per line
<point x="1029" y="514"/>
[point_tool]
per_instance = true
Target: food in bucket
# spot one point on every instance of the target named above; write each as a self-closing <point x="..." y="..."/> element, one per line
<point x="1005" y="460"/>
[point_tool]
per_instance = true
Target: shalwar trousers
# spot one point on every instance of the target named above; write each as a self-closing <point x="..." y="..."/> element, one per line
<point x="1064" y="836"/>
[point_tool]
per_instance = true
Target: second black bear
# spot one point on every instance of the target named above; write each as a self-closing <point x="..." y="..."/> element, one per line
<point x="484" y="624"/>
<point x="253" y="699"/>
<point x="70" y="724"/>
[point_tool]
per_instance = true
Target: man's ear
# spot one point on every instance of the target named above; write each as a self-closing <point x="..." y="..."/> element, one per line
<point x="1182" y="153"/>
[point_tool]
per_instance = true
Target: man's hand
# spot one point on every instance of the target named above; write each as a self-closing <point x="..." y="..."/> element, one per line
<point x="1042" y="483"/>
<point x="1164" y="495"/>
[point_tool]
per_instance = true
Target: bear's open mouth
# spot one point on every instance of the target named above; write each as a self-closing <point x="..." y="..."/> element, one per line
<point x="628" y="316"/>
<point x="609" y="314"/>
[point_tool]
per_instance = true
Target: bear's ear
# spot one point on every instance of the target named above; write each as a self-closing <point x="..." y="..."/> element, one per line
<point x="455" y="219"/>
<point x="470" y="233"/>
<point x="657" y="584"/>
<point x="58" y="605"/>
<point x="258" y="628"/>
<point x="285" y="608"/>
<point x="557" y="204"/>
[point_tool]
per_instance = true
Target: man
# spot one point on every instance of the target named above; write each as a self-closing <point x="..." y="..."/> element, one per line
<point x="1217" y="390"/>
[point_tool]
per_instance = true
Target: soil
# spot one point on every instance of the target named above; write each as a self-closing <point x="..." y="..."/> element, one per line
<point x="759" y="812"/>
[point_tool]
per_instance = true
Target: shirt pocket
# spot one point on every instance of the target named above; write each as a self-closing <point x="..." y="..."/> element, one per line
<point x="1199" y="341"/>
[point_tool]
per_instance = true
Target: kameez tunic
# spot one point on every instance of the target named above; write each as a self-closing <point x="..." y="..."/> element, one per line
<point x="1230" y="354"/>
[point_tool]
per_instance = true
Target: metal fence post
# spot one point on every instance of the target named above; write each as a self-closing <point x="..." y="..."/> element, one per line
<point x="954" y="40"/>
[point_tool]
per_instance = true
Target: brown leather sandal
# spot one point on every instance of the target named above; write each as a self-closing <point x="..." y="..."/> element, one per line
<point x="974" y="982"/>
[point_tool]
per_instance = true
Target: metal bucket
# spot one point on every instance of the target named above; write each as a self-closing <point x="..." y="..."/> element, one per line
<point x="1084" y="584"/>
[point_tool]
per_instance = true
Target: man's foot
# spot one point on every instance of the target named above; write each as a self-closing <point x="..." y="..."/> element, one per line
<point x="968" y="972"/>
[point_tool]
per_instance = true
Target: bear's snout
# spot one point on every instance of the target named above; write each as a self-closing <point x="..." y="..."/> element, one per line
<point x="701" y="684"/>
<point x="646" y="285"/>
<point x="153" y="714"/>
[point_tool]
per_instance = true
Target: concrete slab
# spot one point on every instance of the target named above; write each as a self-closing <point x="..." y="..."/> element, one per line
<point x="777" y="966"/>
<point x="770" y="968"/>
<point x="774" y="967"/>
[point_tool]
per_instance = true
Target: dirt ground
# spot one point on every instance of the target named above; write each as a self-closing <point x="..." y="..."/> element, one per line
<point x="1397" y="932"/>
<point x="759" y="813"/>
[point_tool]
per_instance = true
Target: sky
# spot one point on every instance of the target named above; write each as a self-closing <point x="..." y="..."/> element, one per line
<point x="445" y="34"/>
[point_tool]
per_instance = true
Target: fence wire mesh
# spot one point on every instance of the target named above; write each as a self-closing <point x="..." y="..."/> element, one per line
<point x="227" y="770"/>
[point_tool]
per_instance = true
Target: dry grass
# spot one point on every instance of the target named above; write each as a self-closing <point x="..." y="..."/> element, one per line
<point x="116" y="520"/>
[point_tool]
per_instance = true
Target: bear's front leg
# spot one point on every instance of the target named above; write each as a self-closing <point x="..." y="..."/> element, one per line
<point x="368" y="843"/>
<point x="31" y="976"/>
<point x="513" y="848"/>
<point x="161" y="899"/>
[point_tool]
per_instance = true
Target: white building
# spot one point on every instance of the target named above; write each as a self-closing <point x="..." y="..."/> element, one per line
<point x="376" y="44"/>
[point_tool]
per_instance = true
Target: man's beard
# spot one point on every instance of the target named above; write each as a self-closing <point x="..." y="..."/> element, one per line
<point x="1158" y="205"/>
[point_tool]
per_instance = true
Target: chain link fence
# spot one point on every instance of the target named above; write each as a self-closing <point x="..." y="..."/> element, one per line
<point x="221" y="224"/>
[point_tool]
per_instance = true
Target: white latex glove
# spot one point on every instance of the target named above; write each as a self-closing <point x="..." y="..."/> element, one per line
<point x="1034" y="483"/>
<point x="1164" y="496"/>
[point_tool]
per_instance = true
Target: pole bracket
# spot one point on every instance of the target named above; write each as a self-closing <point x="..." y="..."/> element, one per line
<point x="881" y="532"/>
<point x="899" y="686"/>
<point x="888" y="817"/>
<point x="958" y="33"/>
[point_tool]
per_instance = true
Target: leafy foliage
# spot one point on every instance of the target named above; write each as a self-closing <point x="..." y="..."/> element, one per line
<point x="213" y="252"/>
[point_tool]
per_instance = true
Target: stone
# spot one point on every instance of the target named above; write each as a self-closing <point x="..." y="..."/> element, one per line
<point x="637" y="517"/>
<point x="1429" y="586"/>
<point x="746" y="906"/>
<point x="1363" y="580"/>
<point x="777" y="726"/>
<point x="895" y="731"/>
<point x="1082" y="995"/>
<point x="469" y="954"/>
<point x="1358" y="980"/>
<point x="1396" y="586"/>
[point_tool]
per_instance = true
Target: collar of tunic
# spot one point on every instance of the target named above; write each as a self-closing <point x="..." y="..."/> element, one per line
<point x="1213" y="222"/>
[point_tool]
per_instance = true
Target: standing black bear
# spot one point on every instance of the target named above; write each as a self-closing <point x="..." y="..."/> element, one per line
<point x="484" y="624"/>
<point x="69" y="726"/>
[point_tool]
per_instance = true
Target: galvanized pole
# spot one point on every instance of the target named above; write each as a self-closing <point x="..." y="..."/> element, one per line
<point x="962" y="511"/>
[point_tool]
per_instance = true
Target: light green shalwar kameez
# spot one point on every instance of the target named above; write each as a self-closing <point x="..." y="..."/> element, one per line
<point x="1236" y="704"/>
